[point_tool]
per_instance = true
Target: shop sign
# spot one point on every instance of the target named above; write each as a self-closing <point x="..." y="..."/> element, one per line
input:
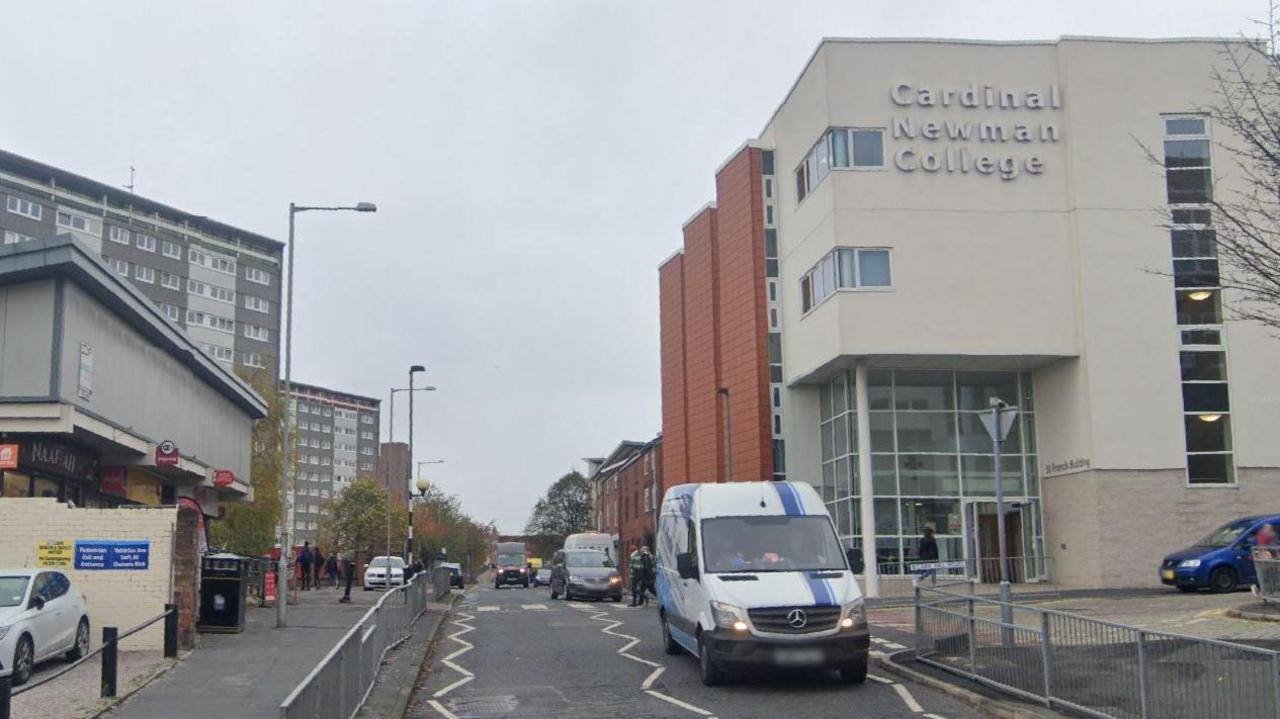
<point x="167" y="454"/>
<point x="224" y="478"/>
<point x="108" y="554"/>
<point x="61" y="460"/>
<point x="54" y="553"/>
<point x="113" y="480"/>
<point x="8" y="456"/>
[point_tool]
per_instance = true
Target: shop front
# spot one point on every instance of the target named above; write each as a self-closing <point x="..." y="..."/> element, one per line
<point x="42" y="467"/>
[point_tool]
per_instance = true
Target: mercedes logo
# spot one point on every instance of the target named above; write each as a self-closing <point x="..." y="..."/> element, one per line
<point x="797" y="619"/>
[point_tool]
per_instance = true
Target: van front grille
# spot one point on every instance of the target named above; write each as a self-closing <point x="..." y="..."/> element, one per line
<point x="778" y="620"/>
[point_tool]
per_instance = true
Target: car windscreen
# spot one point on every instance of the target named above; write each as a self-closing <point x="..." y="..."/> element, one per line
<point x="383" y="562"/>
<point x="12" y="590"/>
<point x="1226" y="534"/>
<point x="770" y="544"/>
<point x="587" y="559"/>
<point x="508" y="560"/>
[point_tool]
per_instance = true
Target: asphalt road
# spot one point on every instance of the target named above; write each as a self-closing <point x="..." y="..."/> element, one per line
<point x="515" y="652"/>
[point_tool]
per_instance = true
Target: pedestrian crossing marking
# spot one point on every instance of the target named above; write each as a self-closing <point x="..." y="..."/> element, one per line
<point x="533" y="606"/>
<point x="887" y="643"/>
<point x="878" y="654"/>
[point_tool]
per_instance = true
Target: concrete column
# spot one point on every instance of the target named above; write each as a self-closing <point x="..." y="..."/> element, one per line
<point x="866" y="506"/>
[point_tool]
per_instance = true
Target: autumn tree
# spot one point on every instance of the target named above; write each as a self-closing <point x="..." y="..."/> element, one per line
<point x="249" y="528"/>
<point x="565" y="509"/>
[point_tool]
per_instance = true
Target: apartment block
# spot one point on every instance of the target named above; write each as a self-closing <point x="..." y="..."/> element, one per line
<point x="336" y="434"/>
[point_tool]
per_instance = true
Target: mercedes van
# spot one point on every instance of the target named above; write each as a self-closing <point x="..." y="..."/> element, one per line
<point x="750" y="574"/>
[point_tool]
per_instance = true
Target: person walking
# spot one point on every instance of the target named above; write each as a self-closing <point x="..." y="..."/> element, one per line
<point x="927" y="551"/>
<point x="349" y="569"/>
<point x="317" y="567"/>
<point x="331" y="570"/>
<point x="304" y="565"/>
<point x="635" y="570"/>
<point x="650" y="574"/>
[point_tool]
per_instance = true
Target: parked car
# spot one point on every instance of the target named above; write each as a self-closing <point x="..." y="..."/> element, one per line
<point x="41" y="616"/>
<point x="455" y="574"/>
<point x="751" y="574"/>
<point x="384" y="572"/>
<point x="585" y="573"/>
<point x="1221" y="561"/>
<point x="542" y="578"/>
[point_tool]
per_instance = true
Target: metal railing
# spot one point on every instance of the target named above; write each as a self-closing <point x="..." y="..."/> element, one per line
<point x="338" y="686"/>
<point x="1100" y="668"/>
<point x="1266" y="562"/>
<point x="110" y="651"/>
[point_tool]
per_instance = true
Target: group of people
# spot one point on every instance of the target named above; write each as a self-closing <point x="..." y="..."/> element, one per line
<point x="641" y="570"/>
<point x="313" y="566"/>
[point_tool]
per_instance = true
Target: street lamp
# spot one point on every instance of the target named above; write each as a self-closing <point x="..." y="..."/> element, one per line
<point x="421" y="484"/>
<point x="286" y="484"/>
<point x="413" y="369"/>
<point x="392" y="432"/>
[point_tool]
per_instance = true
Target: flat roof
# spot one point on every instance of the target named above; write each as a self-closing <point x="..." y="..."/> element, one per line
<point x="66" y="257"/>
<point x="95" y="191"/>
<point x="296" y="386"/>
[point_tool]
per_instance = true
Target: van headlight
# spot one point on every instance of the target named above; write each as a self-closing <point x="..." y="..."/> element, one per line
<point x="1189" y="563"/>
<point x="729" y="616"/>
<point x="854" y="614"/>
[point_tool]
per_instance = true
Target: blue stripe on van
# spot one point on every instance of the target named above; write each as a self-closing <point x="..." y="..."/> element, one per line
<point x="823" y="595"/>
<point x="790" y="499"/>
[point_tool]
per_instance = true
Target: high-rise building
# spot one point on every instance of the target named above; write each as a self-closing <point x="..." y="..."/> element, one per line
<point x="963" y="222"/>
<point x="336" y="434"/>
<point x="220" y="283"/>
<point x="393" y="469"/>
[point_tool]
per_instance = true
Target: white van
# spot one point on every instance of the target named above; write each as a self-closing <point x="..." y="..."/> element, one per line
<point x="750" y="574"/>
<point x="592" y="540"/>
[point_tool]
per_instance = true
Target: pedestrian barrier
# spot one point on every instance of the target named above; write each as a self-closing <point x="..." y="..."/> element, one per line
<point x="1266" y="561"/>
<point x="338" y="686"/>
<point x="110" y="652"/>
<point x="1099" y="668"/>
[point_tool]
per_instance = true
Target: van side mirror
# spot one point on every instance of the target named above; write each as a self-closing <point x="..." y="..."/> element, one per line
<point x="855" y="560"/>
<point x="685" y="567"/>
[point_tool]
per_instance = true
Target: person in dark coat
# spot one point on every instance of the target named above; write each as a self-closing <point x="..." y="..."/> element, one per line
<point x="304" y="565"/>
<point x="927" y="551"/>
<point x="317" y="567"/>
<point x="331" y="570"/>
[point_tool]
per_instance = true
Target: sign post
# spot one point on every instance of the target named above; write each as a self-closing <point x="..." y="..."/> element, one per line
<point x="998" y="424"/>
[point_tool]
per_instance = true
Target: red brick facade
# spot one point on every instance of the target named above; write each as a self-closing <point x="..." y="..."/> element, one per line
<point x="640" y="489"/>
<point x="714" y="333"/>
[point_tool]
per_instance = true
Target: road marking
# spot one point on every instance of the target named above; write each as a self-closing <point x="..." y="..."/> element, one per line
<point x="677" y="702"/>
<point x="878" y="654"/>
<point x="894" y="645"/>
<point x="653" y="676"/>
<point x="533" y="606"/>
<point x="878" y="678"/>
<point x="466" y="647"/>
<point x="487" y="608"/>
<point x="934" y="716"/>
<point x="907" y="699"/>
<point x="443" y="712"/>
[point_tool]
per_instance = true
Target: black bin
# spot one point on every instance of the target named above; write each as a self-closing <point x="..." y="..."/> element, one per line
<point x="223" y="584"/>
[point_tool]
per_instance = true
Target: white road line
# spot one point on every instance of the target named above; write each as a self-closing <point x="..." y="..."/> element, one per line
<point x="466" y="647"/>
<point x="487" y="608"/>
<point x="878" y="678"/>
<point x="934" y="716"/>
<point x="653" y="676"/>
<point x="877" y="653"/>
<point x="443" y="712"/>
<point x="533" y="606"/>
<point x="894" y="645"/>
<point x="677" y="702"/>
<point x="907" y="699"/>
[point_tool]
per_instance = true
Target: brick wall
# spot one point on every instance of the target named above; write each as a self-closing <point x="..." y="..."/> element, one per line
<point x="675" y="460"/>
<point x="119" y="598"/>
<point x="186" y="575"/>
<point x="702" y="350"/>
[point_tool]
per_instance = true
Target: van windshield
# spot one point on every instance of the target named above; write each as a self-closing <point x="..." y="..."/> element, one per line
<point x="1227" y="534"/>
<point x="511" y="559"/>
<point x="770" y="544"/>
<point x="587" y="559"/>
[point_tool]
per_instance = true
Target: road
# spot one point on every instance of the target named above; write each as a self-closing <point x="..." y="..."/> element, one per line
<point x="515" y="652"/>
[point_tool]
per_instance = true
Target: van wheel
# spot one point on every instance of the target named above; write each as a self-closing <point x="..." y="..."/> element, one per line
<point x="711" y="674"/>
<point x="854" y="672"/>
<point x="1223" y="579"/>
<point x="669" y="644"/>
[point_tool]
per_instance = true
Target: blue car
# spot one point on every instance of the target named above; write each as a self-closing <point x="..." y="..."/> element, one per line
<point x="1221" y="561"/>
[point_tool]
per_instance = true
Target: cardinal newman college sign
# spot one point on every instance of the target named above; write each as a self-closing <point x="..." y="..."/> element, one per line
<point x="1014" y="122"/>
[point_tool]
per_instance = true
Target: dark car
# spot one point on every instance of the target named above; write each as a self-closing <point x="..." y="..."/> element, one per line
<point x="584" y="573"/>
<point x="1221" y="561"/>
<point x="455" y="574"/>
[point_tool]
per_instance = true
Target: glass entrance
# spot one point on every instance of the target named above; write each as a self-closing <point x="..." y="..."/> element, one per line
<point x="982" y="552"/>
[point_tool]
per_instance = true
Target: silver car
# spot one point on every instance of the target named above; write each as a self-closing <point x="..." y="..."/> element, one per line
<point x="584" y="573"/>
<point x="41" y="616"/>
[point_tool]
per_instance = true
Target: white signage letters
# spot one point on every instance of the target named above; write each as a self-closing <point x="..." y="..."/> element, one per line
<point x="953" y="135"/>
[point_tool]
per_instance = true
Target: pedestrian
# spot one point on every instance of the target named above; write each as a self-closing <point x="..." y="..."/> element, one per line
<point x="349" y="568"/>
<point x="1265" y="548"/>
<point x="317" y="566"/>
<point x="650" y="574"/>
<point x="331" y="569"/>
<point x="528" y="574"/>
<point x="927" y="551"/>
<point x="304" y="565"/>
<point x="635" y="568"/>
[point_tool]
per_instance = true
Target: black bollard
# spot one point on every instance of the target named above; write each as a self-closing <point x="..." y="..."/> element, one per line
<point x="171" y="631"/>
<point x="110" y="655"/>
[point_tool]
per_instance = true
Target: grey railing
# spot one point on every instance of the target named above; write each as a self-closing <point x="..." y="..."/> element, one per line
<point x="1099" y="668"/>
<point x="338" y="686"/>
<point x="1266" y="561"/>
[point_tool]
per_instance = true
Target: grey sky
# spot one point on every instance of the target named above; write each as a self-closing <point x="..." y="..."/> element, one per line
<point x="532" y="163"/>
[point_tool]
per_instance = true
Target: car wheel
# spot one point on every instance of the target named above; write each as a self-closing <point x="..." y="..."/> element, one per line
<point x="711" y="674"/>
<point x="854" y="672"/>
<point x="669" y="644"/>
<point x="81" y="647"/>
<point x="1223" y="579"/>
<point x="23" y="659"/>
<point x="1187" y="589"/>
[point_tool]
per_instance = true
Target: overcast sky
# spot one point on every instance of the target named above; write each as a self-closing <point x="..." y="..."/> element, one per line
<point x="532" y="163"/>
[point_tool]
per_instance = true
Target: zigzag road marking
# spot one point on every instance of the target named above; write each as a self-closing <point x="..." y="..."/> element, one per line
<point x="443" y="712"/>
<point x="658" y="669"/>
<point x="448" y="661"/>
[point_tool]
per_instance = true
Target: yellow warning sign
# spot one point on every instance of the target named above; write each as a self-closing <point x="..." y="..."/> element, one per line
<point x="54" y="554"/>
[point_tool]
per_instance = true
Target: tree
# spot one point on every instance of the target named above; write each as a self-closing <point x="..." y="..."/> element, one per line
<point x="249" y="528"/>
<point x="357" y="519"/>
<point x="564" y="510"/>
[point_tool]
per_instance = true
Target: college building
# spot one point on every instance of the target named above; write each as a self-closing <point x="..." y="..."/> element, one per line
<point x="924" y="227"/>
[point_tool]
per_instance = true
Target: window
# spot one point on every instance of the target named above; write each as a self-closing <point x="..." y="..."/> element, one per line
<point x="253" y="359"/>
<point x="366" y="418"/>
<point x="222" y="294"/>
<point x="120" y="266"/>
<point x="255" y="332"/>
<point x="257" y="304"/>
<point x="195" y="256"/>
<point x="253" y="274"/>
<point x="117" y="234"/>
<point x="170" y="282"/>
<point x="171" y="249"/>
<point x="80" y="223"/>
<point x="844" y="148"/>
<point x="844" y="268"/>
<point x="204" y="319"/>
<point x="1188" y="170"/>
<point x="13" y="238"/>
<point x="145" y="242"/>
<point x="26" y="208"/>
<point x="144" y="274"/>
<point x="222" y="354"/>
<point x="171" y="311"/>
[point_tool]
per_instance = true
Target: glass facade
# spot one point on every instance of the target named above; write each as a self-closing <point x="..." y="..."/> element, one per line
<point x="932" y="463"/>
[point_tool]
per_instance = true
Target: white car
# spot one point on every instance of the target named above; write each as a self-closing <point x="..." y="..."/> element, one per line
<point x="384" y="572"/>
<point x="41" y="616"/>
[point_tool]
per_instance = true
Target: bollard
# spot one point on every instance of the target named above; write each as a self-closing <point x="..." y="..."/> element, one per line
<point x="6" y="691"/>
<point x="109" y="658"/>
<point x="171" y="631"/>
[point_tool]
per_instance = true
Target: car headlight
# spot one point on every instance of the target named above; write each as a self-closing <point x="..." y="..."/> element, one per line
<point x="575" y="578"/>
<point x="729" y="616"/>
<point x="615" y="579"/>
<point x="854" y="614"/>
<point x="1189" y="563"/>
<point x="4" y="630"/>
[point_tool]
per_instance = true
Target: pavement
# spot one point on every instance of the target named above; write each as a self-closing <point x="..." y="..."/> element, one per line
<point x="249" y="674"/>
<point x="516" y="652"/>
<point x="74" y="695"/>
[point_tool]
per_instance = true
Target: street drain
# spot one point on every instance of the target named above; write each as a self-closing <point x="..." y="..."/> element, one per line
<point x="489" y="706"/>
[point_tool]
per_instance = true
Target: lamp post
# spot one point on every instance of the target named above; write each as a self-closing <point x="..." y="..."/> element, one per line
<point x="728" y="431"/>
<point x="286" y="440"/>
<point x="998" y="424"/>
<point x="421" y="484"/>
<point x="413" y="369"/>
<point x="391" y="440"/>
